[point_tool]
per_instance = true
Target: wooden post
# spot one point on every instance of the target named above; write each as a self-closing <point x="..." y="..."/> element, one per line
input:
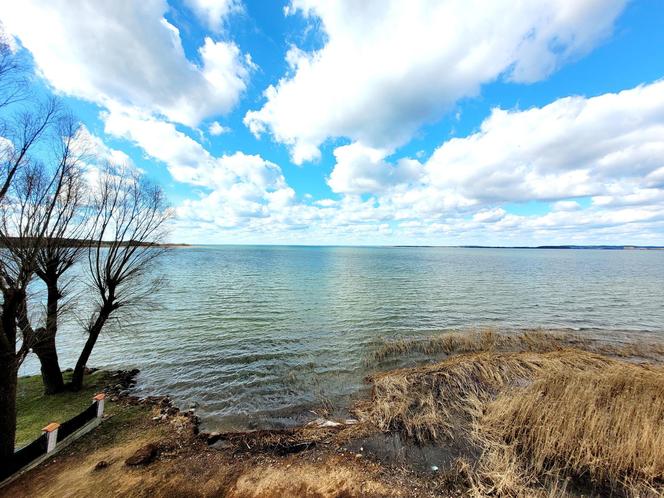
<point x="99" y="399"/>
<point x="51" y="431"/>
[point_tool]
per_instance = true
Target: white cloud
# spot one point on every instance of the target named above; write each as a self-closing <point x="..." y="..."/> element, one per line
<point x="127" y="53"/>
<point x="566" y="206"/>
<point x="609" y="148"/>
<point x="215" y="129"/>
<point x="361" y="169"/>
<point x="489" y="215"/>
<point x="214" y="12"/>
<point x="572" y="147"/>
<point x="91" y="146"/>
<point x="237" y="187"/>
<point x="389" y="66"/>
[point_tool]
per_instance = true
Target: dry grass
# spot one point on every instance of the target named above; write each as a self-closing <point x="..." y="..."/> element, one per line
<point x="431" y="402"/>
<point x="605" y="426"/>
<point x="483" y="340"/>
<point x="337" y="478"/>
<point x="543" y="422"/>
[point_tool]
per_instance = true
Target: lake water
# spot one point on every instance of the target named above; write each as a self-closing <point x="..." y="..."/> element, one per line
<point x="255" y="336"/>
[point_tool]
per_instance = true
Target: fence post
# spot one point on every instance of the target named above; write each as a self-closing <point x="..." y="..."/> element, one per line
<point x="99" y="399"/>
<point x="51" y="431"/>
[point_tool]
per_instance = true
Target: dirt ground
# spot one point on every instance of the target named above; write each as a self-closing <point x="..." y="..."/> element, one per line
<point x="309" y="463"/>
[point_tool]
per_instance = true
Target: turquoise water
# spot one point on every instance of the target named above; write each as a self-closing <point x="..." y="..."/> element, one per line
<point x="258" y="335"/>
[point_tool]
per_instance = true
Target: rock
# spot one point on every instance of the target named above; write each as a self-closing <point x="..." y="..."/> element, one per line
<point x="144" y="455"/>
<point x="212" y="437"/>
<point x="102" y="464"/>
<point x="221" y="445"/>
<point x="434" y="468"/>
<point x="351" y="421"/>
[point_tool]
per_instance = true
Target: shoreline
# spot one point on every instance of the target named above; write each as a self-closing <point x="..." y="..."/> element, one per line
<point x="390" y="449"/>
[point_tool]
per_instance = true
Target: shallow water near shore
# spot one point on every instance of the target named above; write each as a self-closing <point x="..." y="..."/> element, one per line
<point x="256" y="336"/>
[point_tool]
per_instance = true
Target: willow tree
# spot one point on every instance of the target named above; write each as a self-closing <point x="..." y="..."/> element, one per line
<point x="26" y="208"/>
<point x="130" y="216"/>
<point x="22" y="128"/>
<point x="61" y="247"/>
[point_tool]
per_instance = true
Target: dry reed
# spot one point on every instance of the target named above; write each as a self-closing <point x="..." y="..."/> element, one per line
<point x="483" y="340"/>
<point x="546" y="419"/>
<point x="430" y="402"/>
<point x="604" y="426"/>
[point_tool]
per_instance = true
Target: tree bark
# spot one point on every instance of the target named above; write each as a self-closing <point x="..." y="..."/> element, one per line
<point x="50" y="367"/>
<point x="8" y="374"/>
<point x="8" y="379"/>
<point x="93" y="335"/>
<point x="45" y="348"/>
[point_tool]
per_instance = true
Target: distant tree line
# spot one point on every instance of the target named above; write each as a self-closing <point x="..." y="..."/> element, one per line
<point x="52" y="190"/>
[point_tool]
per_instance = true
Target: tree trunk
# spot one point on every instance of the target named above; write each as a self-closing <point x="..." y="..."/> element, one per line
<point x="45" y="347"/>
<point x="50" y="367"/>
<point x="8" y="379"/>
<point x="93" y="335"/>
<point x="8" y="374"/>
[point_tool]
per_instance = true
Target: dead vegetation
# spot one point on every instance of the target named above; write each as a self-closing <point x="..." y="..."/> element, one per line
<point x="544" y="420"/>
<point x="606" y="426"/>
<point x="490" y="340"/>
<point x="436" y="401"/>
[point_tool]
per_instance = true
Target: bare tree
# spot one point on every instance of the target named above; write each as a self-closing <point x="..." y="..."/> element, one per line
<point x="130" y="222"/>
<point x="27" y="128"/>
<point x="61" y="247"/>
<point x="13" y="84"/>
<point x="25" y="217"/>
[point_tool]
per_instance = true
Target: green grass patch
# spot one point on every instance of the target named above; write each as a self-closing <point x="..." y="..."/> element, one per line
<point x="36" y="410"/>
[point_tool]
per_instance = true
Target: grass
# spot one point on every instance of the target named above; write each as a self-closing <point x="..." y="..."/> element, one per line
<point x="542" y="422"/>
<point x="35" y="410"/>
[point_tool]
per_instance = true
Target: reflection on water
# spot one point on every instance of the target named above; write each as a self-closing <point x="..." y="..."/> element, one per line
<point x="252" y="335"/>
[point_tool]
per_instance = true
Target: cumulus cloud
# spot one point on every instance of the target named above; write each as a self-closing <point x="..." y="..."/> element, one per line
<point x="565" y="206"/>
<point x="572" y="147"/>
<point x="387" y="67"/>
<point x="237" y="187"/>
<point x="215" y="129"/>
<point x="127" y="53"/>
<point x="360" y="169"/>
<point x="609" y="148"/>
<point x="213" y="12"/>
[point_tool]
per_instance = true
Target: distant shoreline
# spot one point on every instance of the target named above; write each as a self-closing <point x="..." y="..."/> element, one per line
<point x="91" y="243"/>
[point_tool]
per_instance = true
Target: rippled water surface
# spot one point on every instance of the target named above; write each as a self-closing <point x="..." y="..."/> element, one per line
<point x="253" y="335"/>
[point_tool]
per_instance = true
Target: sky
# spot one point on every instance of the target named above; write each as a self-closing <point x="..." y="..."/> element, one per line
<point x="380" y="122"/>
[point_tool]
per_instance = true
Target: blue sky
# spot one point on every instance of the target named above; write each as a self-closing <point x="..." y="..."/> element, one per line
<point x="381" y="122"/>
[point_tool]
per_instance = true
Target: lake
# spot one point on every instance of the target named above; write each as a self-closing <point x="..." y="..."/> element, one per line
<point x="255" y="336"/>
